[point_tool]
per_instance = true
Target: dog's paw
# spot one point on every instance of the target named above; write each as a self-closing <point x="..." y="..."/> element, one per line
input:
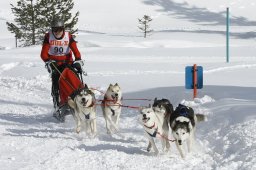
<point x="156" y="153"/>
<point x="166" y="150"/>
<point x="78" y="129"/>
<point x="182" y="155"/>
<point x="88" y="133"/>
<point x="149" y="147"/>
<point x="115" y="130"/>
<point x="109" y="132"/>
<point x="93" y="135"/>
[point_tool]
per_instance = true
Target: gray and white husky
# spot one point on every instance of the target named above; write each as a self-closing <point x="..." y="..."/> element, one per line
<point x="182" y="123"/>
<point x="84" y="111"/>
<point x="111" y="107"/>
<point x="155" y="123"/>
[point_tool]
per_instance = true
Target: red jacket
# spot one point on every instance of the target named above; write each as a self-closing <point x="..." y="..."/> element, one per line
<point x="60" y="59"/>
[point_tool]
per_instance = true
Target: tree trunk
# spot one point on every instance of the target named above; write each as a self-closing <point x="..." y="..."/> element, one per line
<point x="16" y="41"/>
<point x="145" y="30"/>
<point x="33" y="24"/>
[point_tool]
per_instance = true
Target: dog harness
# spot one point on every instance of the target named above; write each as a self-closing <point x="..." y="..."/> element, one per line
<point x="151" y="127"/>
<point x="154" y="134"/>
<point x="106" y="101"/>
<point x="183" y="110"/>
<point x="87" y="116"/>
<point x="113" y="111"/>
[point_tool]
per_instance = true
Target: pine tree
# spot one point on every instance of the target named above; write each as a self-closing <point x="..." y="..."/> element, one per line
<point x="144" y="25"/>
<point x="33" y="18"/>
<point x="51" y="9"/>
<point x="25" y="19"/>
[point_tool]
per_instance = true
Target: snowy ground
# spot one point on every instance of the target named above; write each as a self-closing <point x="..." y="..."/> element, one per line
<point x="31" y="138"/>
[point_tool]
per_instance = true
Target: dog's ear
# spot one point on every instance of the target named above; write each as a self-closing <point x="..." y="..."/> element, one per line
<point x="149" y="105"/>
<point x="141" y="107"/>
<point x="155" y="99"/>
<point x="116" y="84"/>
<point x="173" y="124"/>
<point x="85" y="86"/>
<point x="190" y="126"/>
<point x="110" y="86"/>
<point x="71" y="103"/>
<point x="177" y="121"/>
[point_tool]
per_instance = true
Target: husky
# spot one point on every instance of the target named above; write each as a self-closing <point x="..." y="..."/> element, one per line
<point x="111" y="107"/>
<point x="182" y="123"/>
<point x="155" y="124"/>
<point x="83" y="103"/>
<point x="163" y="109"/>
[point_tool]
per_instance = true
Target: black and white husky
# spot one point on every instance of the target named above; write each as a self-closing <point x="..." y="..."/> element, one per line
<point x="84" y="107"/>
<point x="182" y="123"/>
<point x="163" y="108"/>
<point x="111" y="107"/>
<point x="155" y="123"/>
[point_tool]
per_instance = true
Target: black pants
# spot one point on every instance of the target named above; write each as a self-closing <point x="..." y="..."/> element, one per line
<point x="55" y="84"/>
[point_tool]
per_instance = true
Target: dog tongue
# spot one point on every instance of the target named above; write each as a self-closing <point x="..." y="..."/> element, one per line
<point x="84" y="103"/>
<point x="114" y="99"/>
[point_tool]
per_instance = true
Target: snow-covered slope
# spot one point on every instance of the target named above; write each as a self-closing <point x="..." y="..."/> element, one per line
<point x="114" y="51"/>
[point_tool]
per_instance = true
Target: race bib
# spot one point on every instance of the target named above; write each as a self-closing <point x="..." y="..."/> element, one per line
<point x="59" y="47"/>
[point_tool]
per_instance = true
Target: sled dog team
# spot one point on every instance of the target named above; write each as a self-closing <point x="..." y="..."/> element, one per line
<point x="84" y="109"/>
<point x="155" y="119"/>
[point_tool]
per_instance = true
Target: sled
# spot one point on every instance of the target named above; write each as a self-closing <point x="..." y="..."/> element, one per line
<point x="69" y="83"/>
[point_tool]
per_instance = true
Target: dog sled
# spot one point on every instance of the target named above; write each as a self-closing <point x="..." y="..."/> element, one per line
<point x="69" y="85"/>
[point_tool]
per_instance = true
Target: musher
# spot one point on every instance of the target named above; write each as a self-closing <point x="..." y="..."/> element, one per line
<point x="56" y="52"/>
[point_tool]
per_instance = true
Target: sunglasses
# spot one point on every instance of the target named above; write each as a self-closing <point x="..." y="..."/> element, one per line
<point x="57" y="29"/>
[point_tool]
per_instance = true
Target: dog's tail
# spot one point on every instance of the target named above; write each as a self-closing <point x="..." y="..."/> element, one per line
<point x="201" y="117"/>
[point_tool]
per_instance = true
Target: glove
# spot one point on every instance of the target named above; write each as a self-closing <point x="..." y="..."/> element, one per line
<point x="81" y="62"/>
<point x="78" y="66"/>
<point x="49" y="65"/>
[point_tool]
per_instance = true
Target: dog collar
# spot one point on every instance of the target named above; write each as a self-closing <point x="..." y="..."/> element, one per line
<point x="150" y="127"/>
<point x="106" y="100"/>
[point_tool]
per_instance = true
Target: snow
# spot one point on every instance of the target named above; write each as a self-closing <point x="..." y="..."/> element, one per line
<point x="114" y="51"/>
